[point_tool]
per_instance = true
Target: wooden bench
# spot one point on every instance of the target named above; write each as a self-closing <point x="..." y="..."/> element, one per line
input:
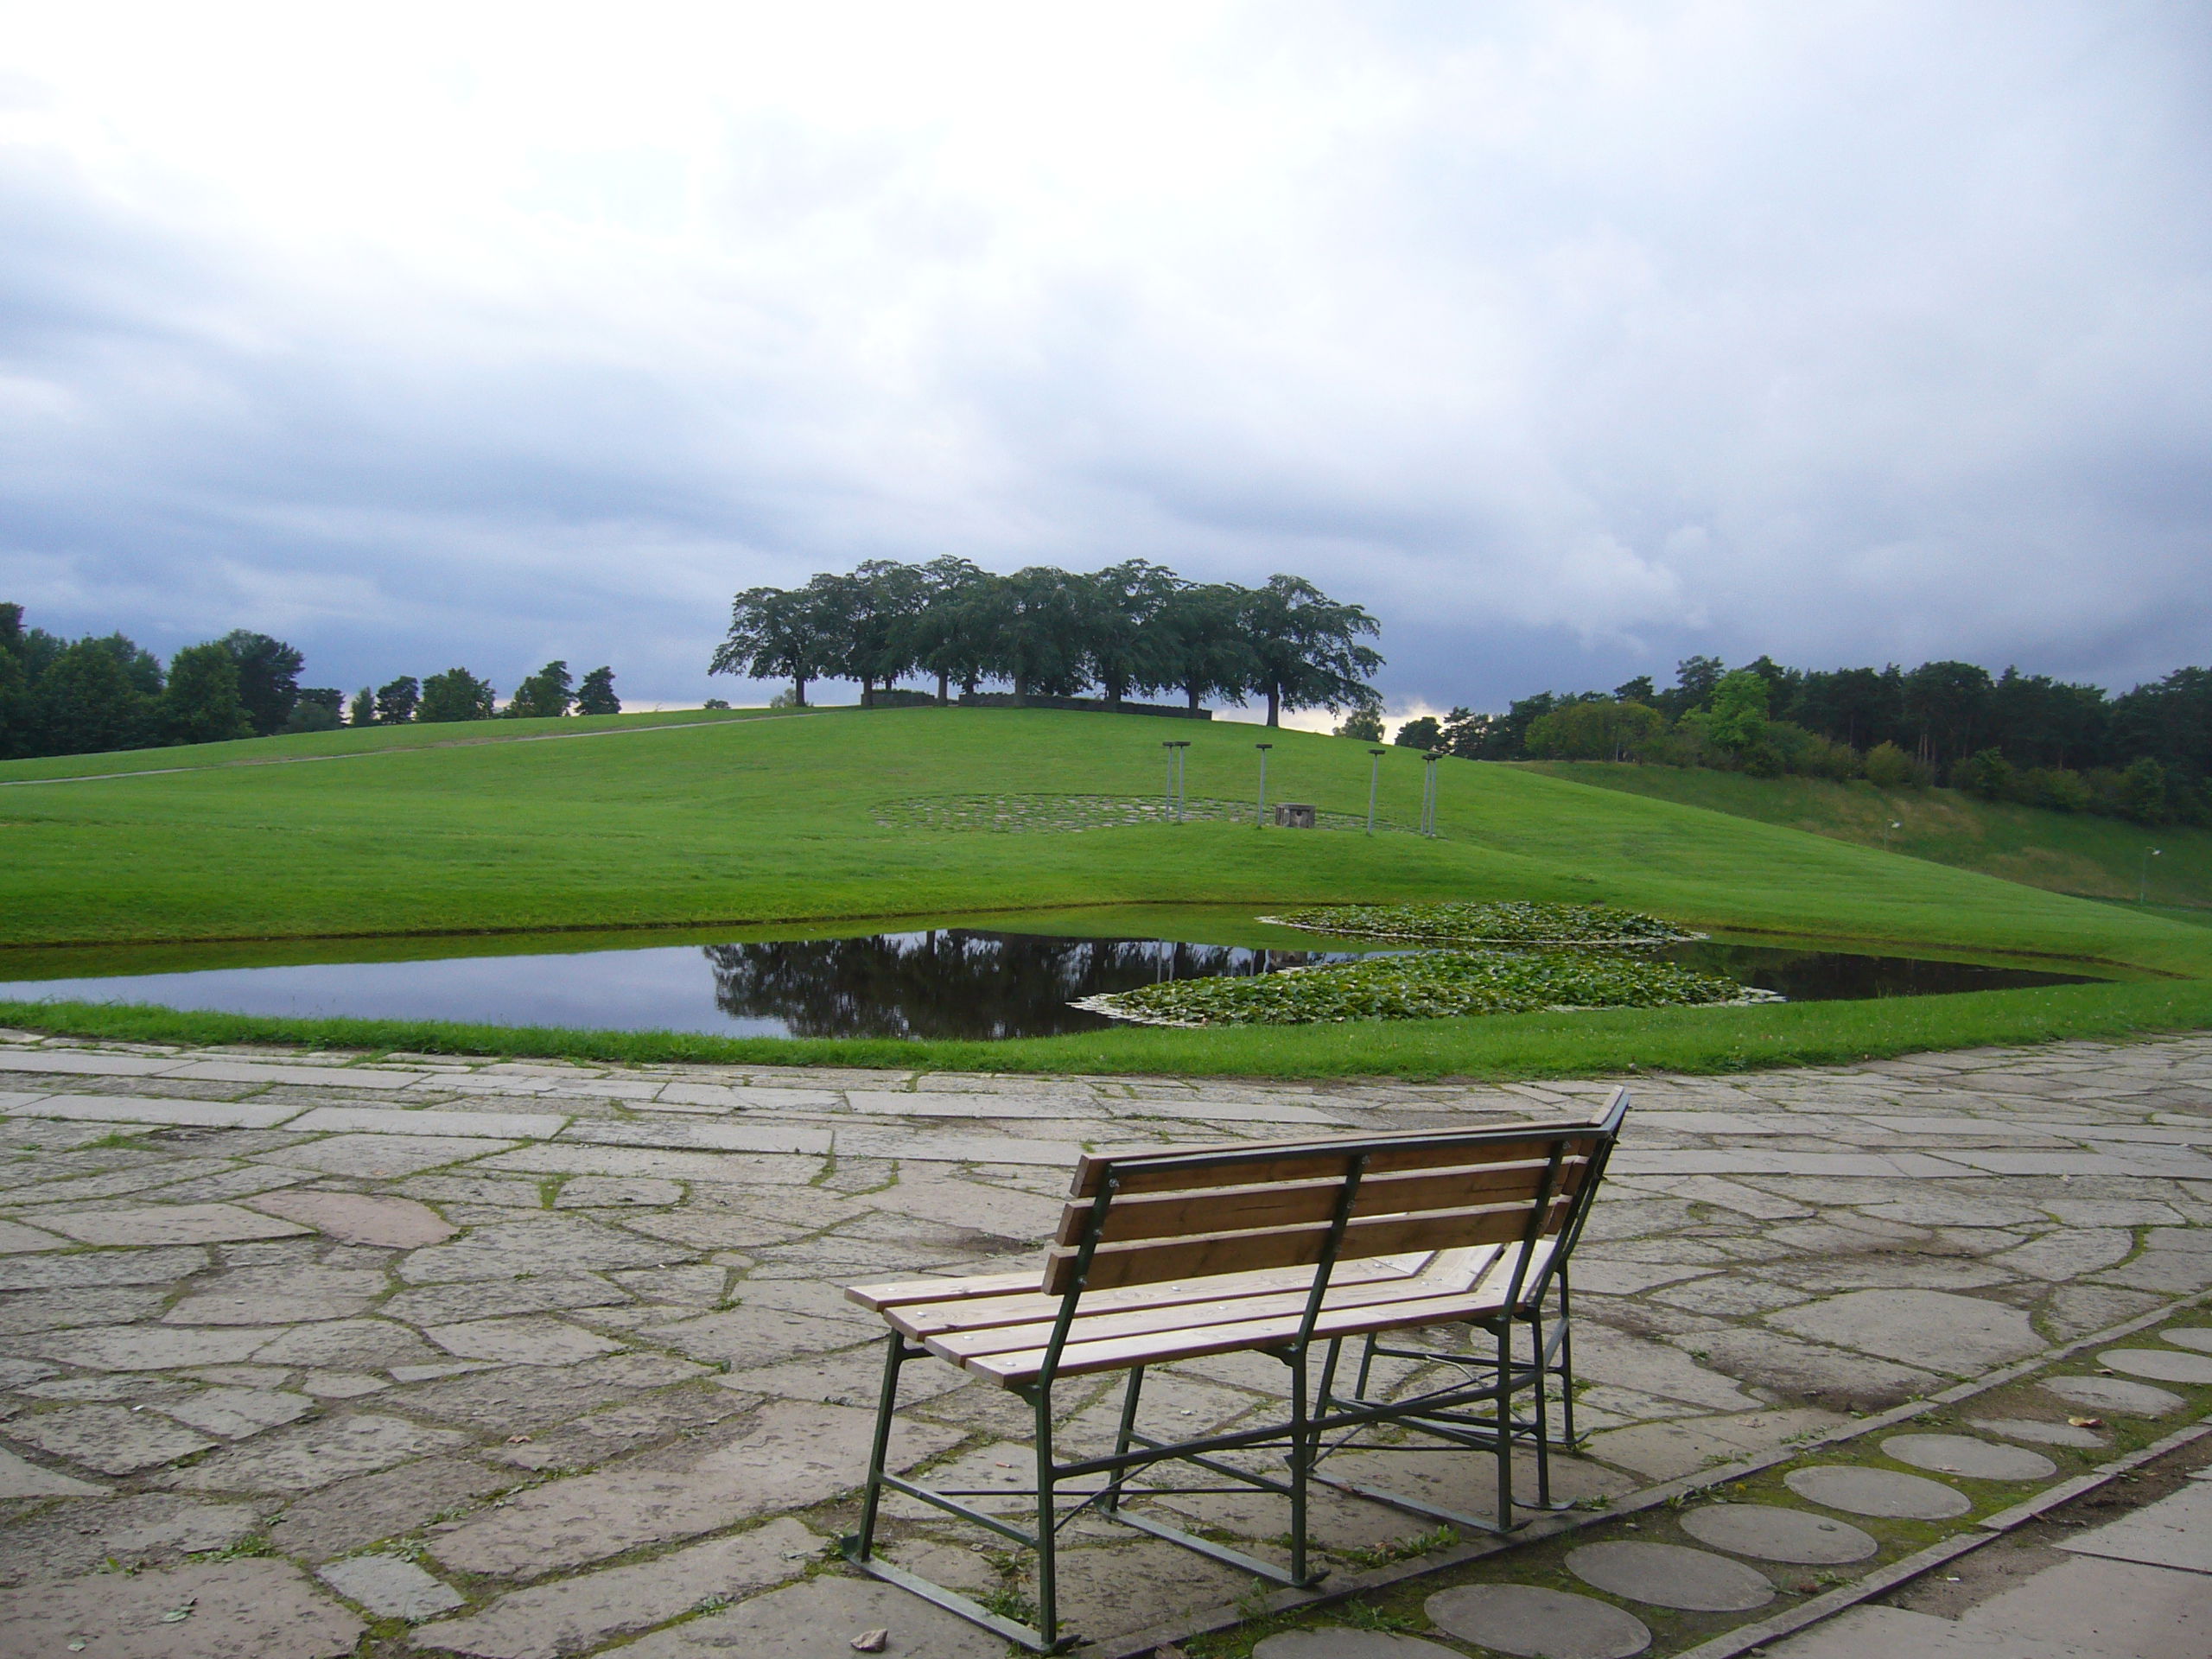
<point x="1272" y="1248"/>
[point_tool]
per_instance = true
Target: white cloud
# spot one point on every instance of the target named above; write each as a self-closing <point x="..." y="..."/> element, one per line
<point x="1568" y="338"/>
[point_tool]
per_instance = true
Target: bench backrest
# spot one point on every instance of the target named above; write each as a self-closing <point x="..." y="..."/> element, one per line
<point x="1143" y="1217"/>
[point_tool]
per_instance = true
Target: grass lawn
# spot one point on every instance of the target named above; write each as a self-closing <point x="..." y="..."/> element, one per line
<point x="2066" y="852"/>
<point x="689" y="820"/>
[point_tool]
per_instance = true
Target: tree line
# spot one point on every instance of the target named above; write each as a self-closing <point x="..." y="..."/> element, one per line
<point x="2146" y="754"/>
<point x="1133" y="628"/>
<point x="105" y="692"/>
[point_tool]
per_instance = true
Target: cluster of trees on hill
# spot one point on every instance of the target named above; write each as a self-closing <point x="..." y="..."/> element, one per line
<point x="1133" y="627"/>
<point x="2145" y="755"/>
<point x="105" y="692"/>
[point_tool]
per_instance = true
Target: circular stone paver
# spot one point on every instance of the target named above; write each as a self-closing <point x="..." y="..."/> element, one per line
<point x="1961" y="1454"/>
<point x="2198" y="1337"/>
<point x="1876" y="1491"/>
<point x="1522" y="1619"/>
<point x="2041" y="1433"/>
<point x="1340" y="1643"/>
<point x="1670" y="1575"/>
<point x="2111" y="1394"/>
<point x="2161" y="1364"/>
<point x="1769" y="1534"/>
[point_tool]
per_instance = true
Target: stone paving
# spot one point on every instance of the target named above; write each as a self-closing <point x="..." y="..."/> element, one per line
<point x="314" y="1354"/>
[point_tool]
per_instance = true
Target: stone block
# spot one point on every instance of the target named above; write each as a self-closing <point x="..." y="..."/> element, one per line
<point x="750" y="1336"/>
<point x="362" y="1217"/>
<point x="31" y="1311"/>
<point x="561" y="1244"/>
<point x="238" y="1413"/>
<point x="1960" y="1335"/>
<point x="284" y="1295"/>
<point x="155" y="1347"/>
<point x="308" y="1455"/>
<point x="143" y="1267"/>
<point x="265" y="1608"/>
<point x="382" y="1157"/>
<point x="819" y="1619"/>
<point x="391" y="1588"/>
<point x="573" y="1615"/>
<point x="150" y="1530"/>
<point x="382" y="1120"/>
<point x="530" y="1339"/>
<point x="19" y="1477"/>
<point x="1834" y="1378"/>
<point x="182" y="1224"/>
<point x="368" y="1509"/>
<point x="794" y="1455"/>
<point x="16" y="1238"/>
<point x="347" y="1344"/>
<point x="129" y="1108"/>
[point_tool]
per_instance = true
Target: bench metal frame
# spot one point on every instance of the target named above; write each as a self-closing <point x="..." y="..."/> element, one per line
<point x="1475" y="1412"/>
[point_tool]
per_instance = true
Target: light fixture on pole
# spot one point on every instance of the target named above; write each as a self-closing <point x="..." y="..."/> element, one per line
<point x="1260" y="817"/>
<point x="1374" y="777"/>
<point x="2143" y="889"/>
<point x="1177" y="756"/>
<point x="1887" y="829"/>
<point x="1428" y="793"/>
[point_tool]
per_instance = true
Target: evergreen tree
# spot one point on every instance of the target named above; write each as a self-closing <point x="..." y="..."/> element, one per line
<point x="269" y="679"/>
<point x="201" y="703"/>
<point x="396" y="702"/>
<point x="320" y="708"/>
<point x="15" y="685"/>
<point x="545" y="695"/>
<point x="596" y="695"/>
<point x="362" y="711"/>
<point x="1424" y="733"/>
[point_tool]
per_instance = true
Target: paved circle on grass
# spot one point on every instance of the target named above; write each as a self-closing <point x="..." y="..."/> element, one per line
<point x="2198" y="1337"/>
<point x="1522" y="1619"/>
<point x="1670" y="1575"/>
<point x="1338" y="1643"/>
<point x="2111" y="1394"/>
<point x="2026" y="1428"/>
<point x="1769" y="1534"/>
<point x="1876" y="1491"/>
<point x="1961" y="1454"/>
<point x="2163" y="1364"/>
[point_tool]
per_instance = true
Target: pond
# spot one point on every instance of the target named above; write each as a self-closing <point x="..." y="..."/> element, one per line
<point x="1015" y="979"/>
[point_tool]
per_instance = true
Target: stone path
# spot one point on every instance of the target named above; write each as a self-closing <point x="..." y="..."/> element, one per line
<point x="407" y="1354"/>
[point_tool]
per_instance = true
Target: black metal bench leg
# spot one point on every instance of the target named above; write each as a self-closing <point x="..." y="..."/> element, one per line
<point x="1543" y="1415"/>
<point x="1567" y="1437"/>
<point x="1301" y="1462"/>
<point x="1504" y="1420"/>
<point x="1111" y="1501"/>
<point x="1048" y="1615"/>
<point x="894" y="1355"/>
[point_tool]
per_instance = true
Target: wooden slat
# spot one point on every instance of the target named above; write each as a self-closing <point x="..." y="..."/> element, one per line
<point x="1151" y="1260"/>
<point x="919" y="1319"/>
<point x="1118" y="1353"/>
<point x="1266" y="1165"/>
<point x="1243" y="1209"/>
<point x="1451" y="1273"/>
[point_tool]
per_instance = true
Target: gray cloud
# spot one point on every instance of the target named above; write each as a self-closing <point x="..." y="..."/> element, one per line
<point x="1571" y="341"/>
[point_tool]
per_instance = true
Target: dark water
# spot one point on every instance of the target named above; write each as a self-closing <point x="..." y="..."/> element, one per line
<point x="946" y="982"/>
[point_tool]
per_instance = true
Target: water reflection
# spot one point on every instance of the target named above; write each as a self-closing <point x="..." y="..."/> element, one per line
<point x="948" y="981"/>
<point x="959" y="981"/>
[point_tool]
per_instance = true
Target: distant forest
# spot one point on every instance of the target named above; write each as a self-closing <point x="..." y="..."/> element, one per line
<point x="2145" y="755"/>
<point x="105" y="692"/>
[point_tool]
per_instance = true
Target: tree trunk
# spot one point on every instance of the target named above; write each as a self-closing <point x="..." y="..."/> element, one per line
<point x="1192" y="689"/>
<point x="867" y="691"/>
<point x="1020" y="690"/>
<point x="943" y="688"/>
<point x="799" y="691"/>
<point x="1274" y="706"/>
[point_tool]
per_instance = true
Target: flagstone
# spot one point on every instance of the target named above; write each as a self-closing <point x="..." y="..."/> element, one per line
<point x="183" y="1224"/>
<point x="382" y="1157"/>
<point x="308" y="1455"/>
<point x="1829" y="1376"/>
<point x="2160" y="1364"/>
<point x="1859" y="1490"/>
<point x="114" y="1440"/>
<point x="362" y="1217"/>
<point x="1528" y="1620"/>
<point x="237" y="1413"/>
<point x="20" y="1477"/>
<point x="819" y="1619"/>
<point x="155" y="1347"/>
<point x="364" y="1509"/>
<point x="552" y="1244"/>
<point x="55" y="1310"/>
<point x="1767" y="1533"/>
<point x="355" y="1344"/>
<point x="265" y="1608"/>
<point x="1670" y="1575"/>
<point x="529" y="1339"/>
<point x="492" y="1299"/>
<point x="278" y="1296"/>
<point x="391" y="1587"/>
<point x="750" y="1336"/>
<point x="2113" y="1394"/>
<point x="1961" y="1454"/>
<point x="1957" y="1334"/>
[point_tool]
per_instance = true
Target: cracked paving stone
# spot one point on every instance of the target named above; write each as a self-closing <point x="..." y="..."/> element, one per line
<point x="20" y="1477"/>
<point x="114" y="1440"/>
<point x="238" y="1413"/>
<point x="369" y="1508"/>
<point x="153" y="1267"/>
<point x="278" y="1296"/>
<point x="308" y="1455"/>
<point x="267" y="1609"/>
<point x="819" y="1619"/>
<point x="182" y="1223"/>
<point x="1959" y="1335"/>
<point x="574" y="1614"/>
<point x="151" y="1529"/>
<point x="362" y="1217"/>
<point x="505" y="1248"/>
<point x="532" y="1339"/>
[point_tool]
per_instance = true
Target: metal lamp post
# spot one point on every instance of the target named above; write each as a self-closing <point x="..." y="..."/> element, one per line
<point x="2143" y="888"/>
<point x="1260" y="817"/>
<point x="1887" y="829"/>
<point x="1374" y="778"/>
<point x="1428" y="793"/>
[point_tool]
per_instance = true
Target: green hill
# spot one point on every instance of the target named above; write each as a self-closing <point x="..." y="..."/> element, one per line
<point x="689" y="820"/>
<point x="2061" y="851"/>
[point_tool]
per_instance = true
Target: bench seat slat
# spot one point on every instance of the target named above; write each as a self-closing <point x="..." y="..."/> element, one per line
<point x="1447" y="1272"/>
<point x="1193" y="1342"/>
<point x="919" y="1318"/>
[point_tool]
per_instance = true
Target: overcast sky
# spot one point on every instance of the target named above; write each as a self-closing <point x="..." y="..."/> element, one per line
<point x="1571" y="339"/>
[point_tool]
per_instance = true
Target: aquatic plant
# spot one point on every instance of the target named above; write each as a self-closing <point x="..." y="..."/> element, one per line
<point x="1467" y="923"/>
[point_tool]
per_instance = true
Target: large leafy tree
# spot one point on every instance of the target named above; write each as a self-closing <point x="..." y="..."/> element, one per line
<point x="775" y="634"/>
<point x="320" y="708"/>
<point x="201" y="703"/>
<point x="596" y="695"/>
<point x="15" y="685"/>
<point x="1036" y="620"/>
<point x="89" y="701"/>
<point x="949" y="634"/>
<point x="1200" y="647"/>
<point x="1305" y="648"/>
<point x="455" y="695"/>
<point x="870" y="615"/>
<point x="1123" y="646"/>
<point x="268" y="678"/>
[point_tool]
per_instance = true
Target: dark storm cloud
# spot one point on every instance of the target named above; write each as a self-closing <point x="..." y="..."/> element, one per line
<point x="1571" y="341"/>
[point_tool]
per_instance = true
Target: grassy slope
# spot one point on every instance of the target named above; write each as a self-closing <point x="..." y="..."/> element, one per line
<point x="2065" y="852"/>
<point x="765" y="820"/>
